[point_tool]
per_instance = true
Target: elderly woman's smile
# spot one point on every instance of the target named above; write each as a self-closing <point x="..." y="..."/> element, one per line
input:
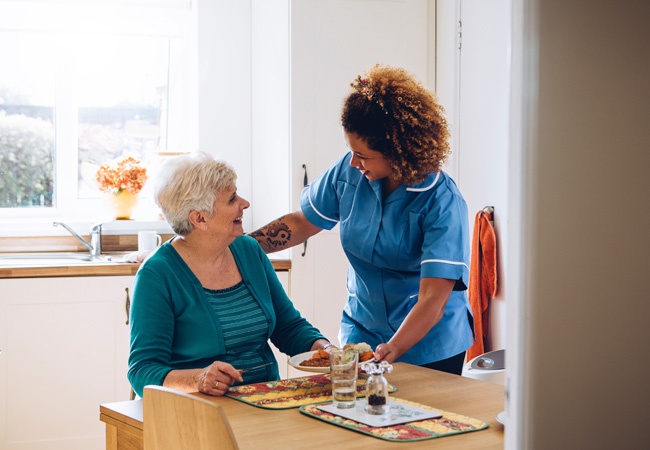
<point x="229" y="209"/>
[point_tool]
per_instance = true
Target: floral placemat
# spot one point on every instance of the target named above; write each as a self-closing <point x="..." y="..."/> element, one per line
<point x="292" y="392"/>
<point x="449" y="424"/>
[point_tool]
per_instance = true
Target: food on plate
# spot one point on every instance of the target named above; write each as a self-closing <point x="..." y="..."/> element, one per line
<point x="365" y="351"/>
<point x="321" y="358"/>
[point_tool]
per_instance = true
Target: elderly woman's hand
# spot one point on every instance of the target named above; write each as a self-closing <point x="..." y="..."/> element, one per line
<point x="217" y="378"/>
<point x="320" y="343"/>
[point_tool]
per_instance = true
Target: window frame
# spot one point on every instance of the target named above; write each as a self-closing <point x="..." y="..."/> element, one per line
<point x="72" y="19"/>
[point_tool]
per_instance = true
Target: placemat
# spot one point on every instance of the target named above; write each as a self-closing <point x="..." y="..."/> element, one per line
<point x="292" y="392"/>
<point x="449" y="424"/>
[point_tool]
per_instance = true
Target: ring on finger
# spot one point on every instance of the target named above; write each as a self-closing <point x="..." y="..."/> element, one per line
<point x="216" y="386"/>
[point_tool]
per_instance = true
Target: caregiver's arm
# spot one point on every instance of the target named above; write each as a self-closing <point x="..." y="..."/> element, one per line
<point x="285" y="232"/>
<point x="426" y="313"/>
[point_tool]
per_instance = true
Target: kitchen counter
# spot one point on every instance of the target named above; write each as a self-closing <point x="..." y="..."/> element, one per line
<point x="115" y="246"/>
<point x="45" y="269"/>
<point x="61" y="270"/>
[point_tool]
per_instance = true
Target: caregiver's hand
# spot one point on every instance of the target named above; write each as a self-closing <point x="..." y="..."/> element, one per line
<point x="387" y="352"/>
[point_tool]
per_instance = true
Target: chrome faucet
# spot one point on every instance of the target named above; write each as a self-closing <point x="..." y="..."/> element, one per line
<point x="95" y="244"/>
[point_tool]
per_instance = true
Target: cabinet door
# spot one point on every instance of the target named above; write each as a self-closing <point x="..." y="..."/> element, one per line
<point x="64" y="345"/>
<point x="331" y="43"/>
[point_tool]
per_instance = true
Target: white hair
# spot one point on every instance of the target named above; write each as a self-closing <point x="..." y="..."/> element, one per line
<point x="190" y="182"/>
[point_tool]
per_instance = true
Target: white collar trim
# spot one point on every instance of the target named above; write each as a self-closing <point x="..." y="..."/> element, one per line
<point x="426" y="188"/>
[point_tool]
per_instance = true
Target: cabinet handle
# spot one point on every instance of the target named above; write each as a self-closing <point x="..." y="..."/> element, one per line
<point x="305" y="182"/>
<point x="128" y="305"/>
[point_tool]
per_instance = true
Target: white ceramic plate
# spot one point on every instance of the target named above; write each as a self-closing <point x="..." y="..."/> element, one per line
<point x="501" y="417"/>
<point x="295" y="361"/>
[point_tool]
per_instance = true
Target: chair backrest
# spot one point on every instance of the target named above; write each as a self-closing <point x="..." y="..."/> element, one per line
<point x="174" y="420"/>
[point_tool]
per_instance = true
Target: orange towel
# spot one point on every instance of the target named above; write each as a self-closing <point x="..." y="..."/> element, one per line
<point x="482" y="279"/>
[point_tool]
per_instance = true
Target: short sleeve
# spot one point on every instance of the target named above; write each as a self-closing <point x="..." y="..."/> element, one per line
<point x="445" y="250"/>
<point x="319" y="200"/>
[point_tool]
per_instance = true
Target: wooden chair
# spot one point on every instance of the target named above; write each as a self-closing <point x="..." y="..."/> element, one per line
<point x="174" y="420"/>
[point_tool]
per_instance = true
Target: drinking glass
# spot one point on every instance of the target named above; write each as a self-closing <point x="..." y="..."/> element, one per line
<point x="344" y="372"/>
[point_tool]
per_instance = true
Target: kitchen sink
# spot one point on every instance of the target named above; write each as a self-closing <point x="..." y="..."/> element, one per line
<point x="54" y="259"/>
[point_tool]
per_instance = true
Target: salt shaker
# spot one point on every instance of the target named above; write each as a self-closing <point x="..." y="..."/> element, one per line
<point x="377" y="387"/>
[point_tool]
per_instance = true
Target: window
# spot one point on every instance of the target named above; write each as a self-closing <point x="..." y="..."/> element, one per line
<point x="26" y="120"/>
<point x="76" y="93"/>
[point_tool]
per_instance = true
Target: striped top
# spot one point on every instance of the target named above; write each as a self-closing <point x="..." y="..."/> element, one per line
<point x="245" y="328"/>
<point x="166" y="292"/>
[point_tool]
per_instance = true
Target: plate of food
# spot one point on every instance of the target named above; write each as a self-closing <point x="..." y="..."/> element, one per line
<point x="319" y="361"/>
<point x="311" y="361"/>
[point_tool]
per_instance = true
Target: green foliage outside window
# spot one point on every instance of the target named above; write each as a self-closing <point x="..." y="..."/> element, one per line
<point x="26" y="161"/>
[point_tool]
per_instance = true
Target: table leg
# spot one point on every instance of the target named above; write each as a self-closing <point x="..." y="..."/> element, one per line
<point x="111" y="437"/>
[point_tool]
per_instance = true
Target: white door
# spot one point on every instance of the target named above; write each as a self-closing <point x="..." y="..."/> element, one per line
<point x="333" y="41"/>
<point x="473" y="78"/>
<point x="483" y="128"/>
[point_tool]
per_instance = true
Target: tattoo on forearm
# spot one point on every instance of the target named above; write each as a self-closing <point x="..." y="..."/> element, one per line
<point x="274" y="236"/>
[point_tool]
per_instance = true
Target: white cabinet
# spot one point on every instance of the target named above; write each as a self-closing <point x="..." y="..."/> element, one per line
<point x="65" y="344"/>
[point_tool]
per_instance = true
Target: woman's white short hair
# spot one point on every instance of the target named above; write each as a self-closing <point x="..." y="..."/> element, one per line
<point x="190" y="182"/>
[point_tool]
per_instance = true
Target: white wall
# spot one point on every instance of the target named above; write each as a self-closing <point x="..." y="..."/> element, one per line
<point x="243" y="100"/>
<point x="224" y="41"/>
<point x="270" y="165"/>
<point x="584" y="148"/>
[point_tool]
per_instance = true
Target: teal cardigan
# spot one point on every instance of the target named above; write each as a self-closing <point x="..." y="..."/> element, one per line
<point x="174" y="327"/>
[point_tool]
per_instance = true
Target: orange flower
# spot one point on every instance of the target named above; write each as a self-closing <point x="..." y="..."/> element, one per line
<point x="122" y="174"/>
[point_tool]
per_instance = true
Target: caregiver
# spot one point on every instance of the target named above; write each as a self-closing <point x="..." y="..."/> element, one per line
<point x="403" y="225"/>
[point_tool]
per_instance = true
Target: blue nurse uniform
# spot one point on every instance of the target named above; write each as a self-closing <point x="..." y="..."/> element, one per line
<point x="417" y="231"/>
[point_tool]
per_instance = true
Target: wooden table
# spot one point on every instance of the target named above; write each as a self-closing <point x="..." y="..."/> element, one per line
<point x="257" y="428"/>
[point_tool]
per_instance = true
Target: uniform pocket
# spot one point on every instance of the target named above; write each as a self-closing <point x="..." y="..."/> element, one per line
<point x="410" y="246"/>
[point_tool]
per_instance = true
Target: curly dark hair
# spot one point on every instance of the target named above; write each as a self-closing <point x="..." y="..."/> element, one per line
<point x="395" y="115"/>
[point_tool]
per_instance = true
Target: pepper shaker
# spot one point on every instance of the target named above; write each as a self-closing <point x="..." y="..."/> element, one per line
<point x="377" y="387"/>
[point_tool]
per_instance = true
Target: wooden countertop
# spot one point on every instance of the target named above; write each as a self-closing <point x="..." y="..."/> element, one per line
<point x="90" y="270"/>
<point x="76" y="270"/>
<point x="115" y="245"/>
<point x="288" y="429"/>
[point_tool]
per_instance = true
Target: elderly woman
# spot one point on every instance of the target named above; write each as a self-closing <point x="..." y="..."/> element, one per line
<point x="206" y="303"/>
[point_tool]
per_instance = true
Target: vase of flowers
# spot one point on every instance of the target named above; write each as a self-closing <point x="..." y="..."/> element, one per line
<point x="122" y="179"/>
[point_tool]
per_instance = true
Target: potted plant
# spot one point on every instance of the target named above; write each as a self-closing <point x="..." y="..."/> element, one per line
<point x="123" y="179"/>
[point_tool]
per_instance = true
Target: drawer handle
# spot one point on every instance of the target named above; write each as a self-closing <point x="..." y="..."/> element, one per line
<point x="128" y="305"/>
<point x="305" y="182"/>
